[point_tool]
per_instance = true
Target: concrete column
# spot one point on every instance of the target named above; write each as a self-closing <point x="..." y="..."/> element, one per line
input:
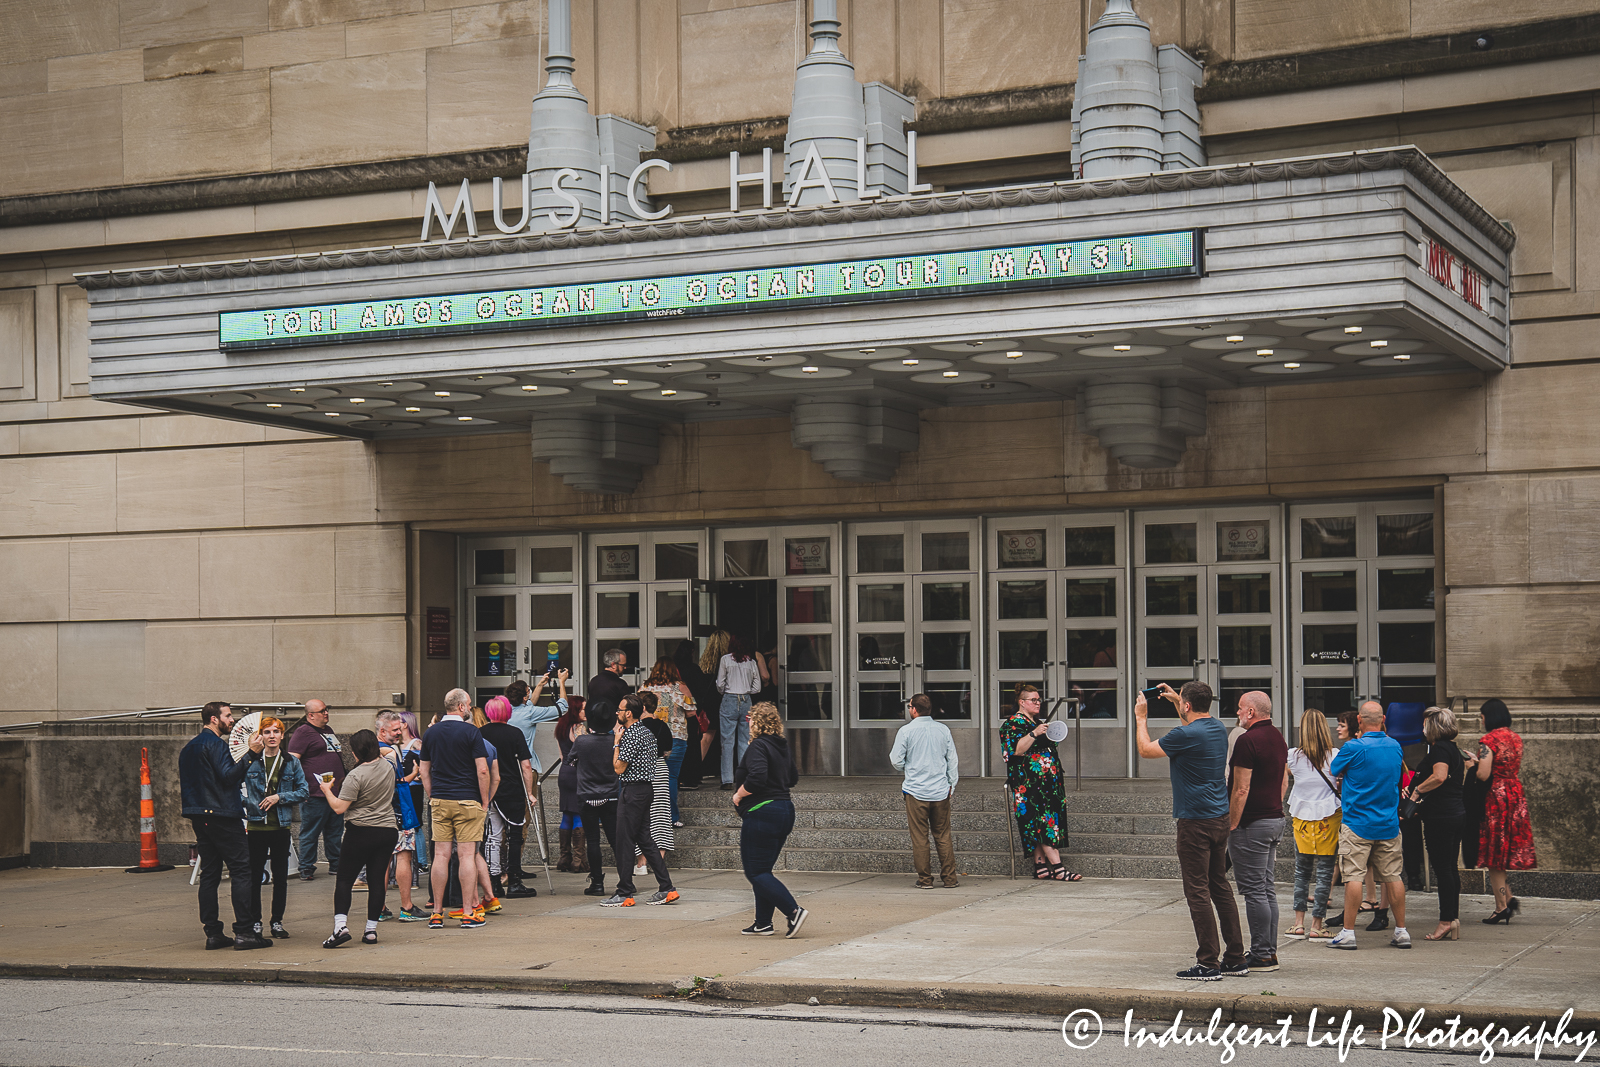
<point x="827" y="118"/>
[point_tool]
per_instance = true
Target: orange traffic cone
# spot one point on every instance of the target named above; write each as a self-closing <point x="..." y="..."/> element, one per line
<point x="149" y="860"/>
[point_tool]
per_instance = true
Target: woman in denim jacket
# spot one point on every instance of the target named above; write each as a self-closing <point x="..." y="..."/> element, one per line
<point x="272" y="785"/>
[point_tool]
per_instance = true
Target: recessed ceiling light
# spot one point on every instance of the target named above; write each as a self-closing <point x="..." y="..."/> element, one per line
<point x="952" y="374"/>
<point x="358" y="400"/>
<point x="274" y="405"/>
<point x="1379" y="344"/>
<point x="1235" y="338"/>
<point x="331" y="414"/>
<point x="1263" y="351"/>
<point x="669" y="392"/>
<point x="986" y="385"/>
<point x="442" y="392"/>
<point x="530" y="388"/>
<point x="619" y="381"/>
<point x="570" y="370"/>
<point x="294" y="389"/>
<point x="1122" y="348"/>
<point x="1013" y="355"/>
<point x="866" y="351"/>
<point x="463" y="418"/>
<point x="713" y="377"/>
<point x="385" y="383"/>
<point x="713" y="403"/>
<point x="1401" y="356"/>
<point x="810" y="370"/>
<point x="413" y="409"/>
<point x="663" y="366"/>
<point x="1292" y="366"/>
<point x="974" y="344"/>
<point x="1352" y="329"/>
<point x="908" y="362"/>
<point x="764" y="359"/>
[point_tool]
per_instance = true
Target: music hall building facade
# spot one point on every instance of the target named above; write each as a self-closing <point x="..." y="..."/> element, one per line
<point x="937" y="346"/>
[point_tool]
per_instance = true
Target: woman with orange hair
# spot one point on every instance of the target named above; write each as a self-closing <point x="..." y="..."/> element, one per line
<point x="273" y="785"/>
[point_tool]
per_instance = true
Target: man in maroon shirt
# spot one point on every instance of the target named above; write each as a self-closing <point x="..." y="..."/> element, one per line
<point x="1255" y="822"/>
<point x="317" y="748"/>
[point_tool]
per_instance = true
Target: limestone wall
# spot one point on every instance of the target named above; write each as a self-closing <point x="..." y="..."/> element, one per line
<point x="102" y="93"/>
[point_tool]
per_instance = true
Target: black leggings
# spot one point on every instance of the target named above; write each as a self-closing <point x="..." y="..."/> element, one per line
<point x="273" y="844"/>
<point x="370" y="847"/>
<point x="598" y="819"/>
<point x="1444" y="847"/>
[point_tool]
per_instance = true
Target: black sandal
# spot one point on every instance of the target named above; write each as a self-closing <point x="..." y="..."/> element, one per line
<point x="1059" y="873"/>
<point x="1041" y="871"/>
<point x="370" y="937"/>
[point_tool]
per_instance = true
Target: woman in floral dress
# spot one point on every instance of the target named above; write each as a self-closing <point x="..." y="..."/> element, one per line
<point x="1505" y="837"/>
<point x="1033" y="773"/>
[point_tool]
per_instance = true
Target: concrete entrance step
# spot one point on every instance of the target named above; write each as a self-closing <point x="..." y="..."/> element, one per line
<point x="1116" y="829"/>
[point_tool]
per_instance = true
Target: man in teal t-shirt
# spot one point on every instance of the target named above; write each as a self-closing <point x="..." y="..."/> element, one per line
<point x="1198" y="750"/>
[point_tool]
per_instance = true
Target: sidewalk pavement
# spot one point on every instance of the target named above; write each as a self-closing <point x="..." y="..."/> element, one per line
<point x="871" y="939"/>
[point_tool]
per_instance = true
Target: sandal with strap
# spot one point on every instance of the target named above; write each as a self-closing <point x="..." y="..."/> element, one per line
<point x="1041" y="871"/>
<point x="370" y="937"/>
<point x="1059" y="873"/>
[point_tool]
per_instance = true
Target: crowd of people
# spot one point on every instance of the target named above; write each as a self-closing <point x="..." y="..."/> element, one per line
<point x="1364" y="810"/>
<point x="1346" y="808"/>
<point x="371" y="804"/>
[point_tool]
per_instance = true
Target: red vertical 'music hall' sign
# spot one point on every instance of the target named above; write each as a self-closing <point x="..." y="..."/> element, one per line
<point x="1454" y="274"/>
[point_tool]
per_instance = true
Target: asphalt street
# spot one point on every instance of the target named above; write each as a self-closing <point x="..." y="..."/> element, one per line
<point x="119" y="1024"/>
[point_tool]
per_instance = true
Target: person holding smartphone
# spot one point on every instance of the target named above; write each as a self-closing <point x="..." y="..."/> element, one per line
<point x="1198" y="750"/>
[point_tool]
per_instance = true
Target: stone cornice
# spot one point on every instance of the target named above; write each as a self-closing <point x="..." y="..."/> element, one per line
<point x="1408" y="159"/>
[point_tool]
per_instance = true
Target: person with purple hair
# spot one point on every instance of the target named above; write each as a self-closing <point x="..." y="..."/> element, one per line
<point x="508" y="808"/>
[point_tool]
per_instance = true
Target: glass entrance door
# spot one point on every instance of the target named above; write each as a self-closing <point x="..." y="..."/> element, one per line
<point x="1058" y="621"/>
<point x="913" y="605"/>
<point x="1207" y="594"/>
<point x="801" y="565"/>
<point x="1364" y="604"/>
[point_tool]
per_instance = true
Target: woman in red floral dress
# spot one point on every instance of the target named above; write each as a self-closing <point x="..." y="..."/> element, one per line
<point x="1505" y="837"/>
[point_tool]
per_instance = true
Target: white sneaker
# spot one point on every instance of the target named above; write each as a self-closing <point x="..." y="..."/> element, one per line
<point x="1345" y="939"/>
<point x="1401" y="939"/>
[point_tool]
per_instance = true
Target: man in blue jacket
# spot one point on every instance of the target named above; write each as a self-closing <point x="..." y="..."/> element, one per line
<point x="209" y="780"/>
<point x="1369" y="798"/>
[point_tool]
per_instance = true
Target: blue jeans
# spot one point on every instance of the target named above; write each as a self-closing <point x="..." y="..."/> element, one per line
<point x="319" y="820"/>
<point x="674" y="768"/>
<point x="761" y="839"/>
<point x="734" y="713"/>
<point x="1303" y="863"/>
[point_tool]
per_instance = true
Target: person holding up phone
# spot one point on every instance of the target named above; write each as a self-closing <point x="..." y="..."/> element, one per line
<point x="1198" y="750"/>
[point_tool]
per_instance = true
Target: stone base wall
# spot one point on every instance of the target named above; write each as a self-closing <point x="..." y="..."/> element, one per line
<point x="82" y="790"/>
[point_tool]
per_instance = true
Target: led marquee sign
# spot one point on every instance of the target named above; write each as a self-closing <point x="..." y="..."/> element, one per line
<point x="1100" y="261"/>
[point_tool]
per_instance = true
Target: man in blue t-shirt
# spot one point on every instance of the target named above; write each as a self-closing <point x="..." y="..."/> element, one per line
<point x="1198" y="750"/>
<point x="1369" y="798"/>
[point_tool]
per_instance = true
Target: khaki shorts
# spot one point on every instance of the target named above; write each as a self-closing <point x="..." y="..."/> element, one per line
<point x="457" y="820"/>
<point x="1355" y="853"/>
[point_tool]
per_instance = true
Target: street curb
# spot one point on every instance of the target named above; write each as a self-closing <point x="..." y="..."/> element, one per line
<point x="1052" y="1001"/>
<point x="1113" y="1004"/>
<point x="349" y="979"/>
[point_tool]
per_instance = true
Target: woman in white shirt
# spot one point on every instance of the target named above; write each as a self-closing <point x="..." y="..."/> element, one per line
<point x="1314" y="808"/>
<point x="740" y="677"/>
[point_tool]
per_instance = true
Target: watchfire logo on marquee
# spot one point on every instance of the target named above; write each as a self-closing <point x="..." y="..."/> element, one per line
<point x="1100" y="261"/>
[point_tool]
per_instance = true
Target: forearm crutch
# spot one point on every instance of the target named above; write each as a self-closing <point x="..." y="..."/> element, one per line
<point x="536" y="819"/>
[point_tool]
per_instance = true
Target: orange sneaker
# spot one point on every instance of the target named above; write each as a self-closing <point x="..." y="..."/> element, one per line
<point x="493" y="906"/>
